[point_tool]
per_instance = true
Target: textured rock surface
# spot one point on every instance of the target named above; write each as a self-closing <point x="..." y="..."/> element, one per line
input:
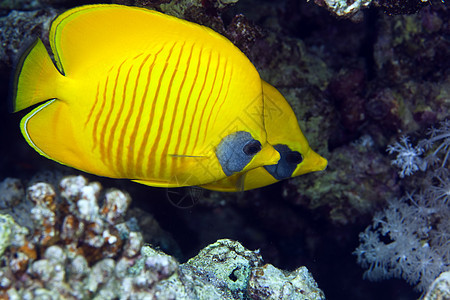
<point x="19" y="29"/>
<point x="440" y="288"/>
<point x="81" y="246"/>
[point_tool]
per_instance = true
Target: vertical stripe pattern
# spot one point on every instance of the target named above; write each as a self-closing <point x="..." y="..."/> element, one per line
<point x="143" y="95"/>
<point x="152" y="110"/>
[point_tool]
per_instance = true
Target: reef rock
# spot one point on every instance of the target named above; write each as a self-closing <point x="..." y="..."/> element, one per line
<point x="79" y="244"/>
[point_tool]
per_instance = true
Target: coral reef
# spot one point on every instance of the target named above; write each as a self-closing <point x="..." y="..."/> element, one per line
<point x="344" y="8"/>
<point x="81" y="247"/>
<point x="440" y="288"/>
<point x="369" y="183"/>
<point x="404" y="43"/>
<point x="395" y="7"/>
<point x="19" y="4"/>
<point x="352" y="9"/>
<point x="207" y="13"/>
<point x="20" y="28"/>
<point x="12" y="192"/>
<point x="355" y="87"/>
<point x="240" y="30"/>
<point x="64" y="226"/>
<point x="237" y="273"/>
<point x="418" y="224"/>
<point x="362" y="102"/>
<point x="297" y="284"/>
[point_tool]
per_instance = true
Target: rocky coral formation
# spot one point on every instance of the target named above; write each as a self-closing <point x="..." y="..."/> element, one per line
<point x="297" y="284"/>
<point x="242" y="32"/>
<point x="440" y="288"/>
<point x="19" y="4"/>
<point x="344" y="8"/>
<point x="366" y="187"/>
<point x="66" y="228"/>
<point x="203" y="12"/>
<point x="353" y="9"/>
<point x="20" y="28"/>
<point x="395" y="7"/>
<point x="405" y="88"/>
<point x="80" y="246"/>
<point x="412" y="70"/>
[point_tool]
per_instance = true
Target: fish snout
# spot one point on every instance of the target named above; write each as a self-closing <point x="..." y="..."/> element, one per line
<point x="312" y="162"/>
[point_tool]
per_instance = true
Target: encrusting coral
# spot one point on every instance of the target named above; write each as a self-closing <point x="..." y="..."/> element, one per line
<point x="79" y="245"/>
<point x="440" y="288"/>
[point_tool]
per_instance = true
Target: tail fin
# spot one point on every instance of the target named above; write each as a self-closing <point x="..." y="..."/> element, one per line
<point x="35" y="78"/>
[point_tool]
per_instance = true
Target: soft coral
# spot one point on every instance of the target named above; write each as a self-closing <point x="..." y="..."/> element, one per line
<point x="411" y="237"/>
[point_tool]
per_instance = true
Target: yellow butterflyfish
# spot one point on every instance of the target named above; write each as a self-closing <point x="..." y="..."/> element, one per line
<point x="283" y="131"/>
<point x="141" y="95"/>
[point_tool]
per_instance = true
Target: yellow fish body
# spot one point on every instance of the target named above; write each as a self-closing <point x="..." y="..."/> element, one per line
<point x="284" y="133"/>
<point x="141" y="95"/>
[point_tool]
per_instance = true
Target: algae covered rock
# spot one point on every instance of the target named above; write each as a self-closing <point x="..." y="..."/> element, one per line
<point x="80" y="244"/>
<point x="224" y="266"/>
<point x="440" y="288"/>
<point x="19" y="29"/>
<point x="268" y="282"/>
<point x="10" y="233"/>
<point x="227" y="270"/>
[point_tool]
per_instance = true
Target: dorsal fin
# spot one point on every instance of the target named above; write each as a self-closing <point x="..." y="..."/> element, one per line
<point x="114" y="31"/>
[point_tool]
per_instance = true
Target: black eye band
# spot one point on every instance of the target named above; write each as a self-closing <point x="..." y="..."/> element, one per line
<point x="294" y="157"/>
<point x="286" y="165"/>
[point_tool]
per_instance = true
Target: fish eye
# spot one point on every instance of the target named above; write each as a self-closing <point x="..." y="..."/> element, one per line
<point x="287" y="164"/>
<point x="252" y="147"/>
<point x="294" y="157"/>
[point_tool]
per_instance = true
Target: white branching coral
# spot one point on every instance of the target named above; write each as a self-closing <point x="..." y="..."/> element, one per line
<point x="414" y="158"/>
<point x="410" y="239"/>
<point x="408" y="158"/>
